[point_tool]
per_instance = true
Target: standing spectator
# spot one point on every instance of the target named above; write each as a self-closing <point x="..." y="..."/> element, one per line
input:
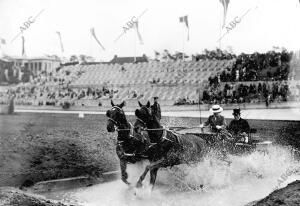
<point x="11" y="104"/>
<point x="268" y="98"/>
<point x="155" y="108"/>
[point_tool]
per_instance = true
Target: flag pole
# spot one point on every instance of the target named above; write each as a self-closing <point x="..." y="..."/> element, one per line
<point x="200" y="108"/>
<point x="23" y="46"/>
<point x="134" y="46"/>
<point x="220" y="32"/>
<point x="183" y="42"/>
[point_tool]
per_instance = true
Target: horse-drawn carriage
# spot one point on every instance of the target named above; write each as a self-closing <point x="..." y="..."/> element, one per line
<point x="173" y="146"/>
<point x="234" y="145"/>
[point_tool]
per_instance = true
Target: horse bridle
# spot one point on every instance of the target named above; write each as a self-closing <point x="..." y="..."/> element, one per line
<point x="144" y="124"/>
<point x="116" y="123"/>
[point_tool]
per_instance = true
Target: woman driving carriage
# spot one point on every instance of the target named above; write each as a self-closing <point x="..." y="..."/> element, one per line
<point x="215" y="121"/>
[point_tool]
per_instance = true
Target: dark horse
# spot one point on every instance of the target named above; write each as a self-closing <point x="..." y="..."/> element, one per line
<point x="130" y="144"/>
<point x="171" y="149"/>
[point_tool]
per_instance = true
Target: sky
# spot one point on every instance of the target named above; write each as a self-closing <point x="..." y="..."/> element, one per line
<point x="268" y="23"/>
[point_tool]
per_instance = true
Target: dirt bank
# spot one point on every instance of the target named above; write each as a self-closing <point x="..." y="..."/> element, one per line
<point x="288" y="196"/>
<point x="10" y="196"/>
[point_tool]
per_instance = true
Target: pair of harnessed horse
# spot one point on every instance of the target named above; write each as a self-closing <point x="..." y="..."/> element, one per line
<point x="143" y="128"/>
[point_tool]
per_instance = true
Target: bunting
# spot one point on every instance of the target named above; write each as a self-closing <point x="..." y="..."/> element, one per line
<point x="60" y="40"/>
<point x="184" y="19"/>
<point x="225" y="7"/>
<point x="138" y="32"/>
<point x="95" y="37"/>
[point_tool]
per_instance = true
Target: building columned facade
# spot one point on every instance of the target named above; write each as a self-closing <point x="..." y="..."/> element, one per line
<point x="38" y="65"/>
<point x="14" y="69"/>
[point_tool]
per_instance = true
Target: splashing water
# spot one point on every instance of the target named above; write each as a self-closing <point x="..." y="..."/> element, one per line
<point x="209" y="183"/>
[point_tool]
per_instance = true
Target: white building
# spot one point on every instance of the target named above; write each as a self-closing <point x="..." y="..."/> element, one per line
<point x="37" y="65"/>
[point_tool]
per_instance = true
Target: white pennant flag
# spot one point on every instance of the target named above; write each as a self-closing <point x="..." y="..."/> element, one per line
<point x="95" y="37"/>
<point x="225" y="4"/>
<point x="138" y="32"/>
<point x="60" y="40"/>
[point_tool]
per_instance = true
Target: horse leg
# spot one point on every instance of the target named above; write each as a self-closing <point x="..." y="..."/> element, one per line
<point x="153" y="175"/>
<point x="148" y="168"/>
<point x="142" y="177"/>
<point x="124" y="175"/>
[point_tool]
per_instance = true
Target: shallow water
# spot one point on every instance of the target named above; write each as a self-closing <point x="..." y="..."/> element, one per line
<point x="247" y="178"/>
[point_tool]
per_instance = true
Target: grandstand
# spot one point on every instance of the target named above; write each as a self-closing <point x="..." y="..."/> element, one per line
<point x="243" y="79"/>
<point x="168" y="80"/>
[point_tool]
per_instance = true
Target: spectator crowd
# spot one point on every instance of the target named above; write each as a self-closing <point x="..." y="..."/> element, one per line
<point x="57" y="96"/>
<point x="256" y="77"/>
<point x="251" y="93"/>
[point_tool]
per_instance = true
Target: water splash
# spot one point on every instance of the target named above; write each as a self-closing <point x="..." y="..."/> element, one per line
<point x="211" y="182"/>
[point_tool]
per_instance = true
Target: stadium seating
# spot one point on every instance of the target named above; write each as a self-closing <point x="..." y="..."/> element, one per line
<point x="168" y="80"/>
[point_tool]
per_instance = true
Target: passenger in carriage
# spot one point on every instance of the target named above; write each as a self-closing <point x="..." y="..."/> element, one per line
<point x="155" y="108"/>
<point x="215" y="121"/>
<point x="238" y="126"/>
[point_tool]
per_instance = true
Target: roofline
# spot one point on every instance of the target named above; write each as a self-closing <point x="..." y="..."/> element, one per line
<point x="13" y="58"/>
<point x="38" y="58"/>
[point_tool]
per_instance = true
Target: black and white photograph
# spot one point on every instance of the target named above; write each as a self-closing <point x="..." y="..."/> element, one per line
<point x="152" y="103"/>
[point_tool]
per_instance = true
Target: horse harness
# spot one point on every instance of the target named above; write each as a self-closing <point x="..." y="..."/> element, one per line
<point x="164" y="134"/>
<point x="114" y="121"/>
<point x="121" y="142"/>
<point x="117" y="124"/>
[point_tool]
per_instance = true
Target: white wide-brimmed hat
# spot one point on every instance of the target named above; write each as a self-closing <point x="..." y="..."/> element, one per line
<point x="216" y="109"/>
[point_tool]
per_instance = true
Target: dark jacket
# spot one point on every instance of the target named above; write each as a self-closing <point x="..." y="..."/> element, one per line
<point x="156" y="110"/>
<point x="213" y="121"/>
<point x="239" y="126"/>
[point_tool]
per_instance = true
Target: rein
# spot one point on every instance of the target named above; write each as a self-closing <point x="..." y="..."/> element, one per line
<point x="158" y="129"/>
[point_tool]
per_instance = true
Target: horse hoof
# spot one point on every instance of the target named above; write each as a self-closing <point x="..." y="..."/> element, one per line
<point x="125" y="181"/>
<point x="138" y="185"/>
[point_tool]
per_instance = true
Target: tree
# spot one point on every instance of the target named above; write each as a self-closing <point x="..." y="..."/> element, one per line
<point x="85" y="58"/>
<point x="73" y="58"/>
<point x="90" y="59"/>
<point x="82" y="58"/>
